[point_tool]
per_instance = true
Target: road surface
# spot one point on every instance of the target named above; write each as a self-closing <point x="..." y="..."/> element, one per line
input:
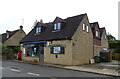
<point x="16" y="69"/>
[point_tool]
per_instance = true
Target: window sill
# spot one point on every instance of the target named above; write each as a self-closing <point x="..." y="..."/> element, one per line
<point x="56" y="31"/>
<point x="32" y="56"/>
<point x="57" y="53"/>
<point x="37" y="33"/>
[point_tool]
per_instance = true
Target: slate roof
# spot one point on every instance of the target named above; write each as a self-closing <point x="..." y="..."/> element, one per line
<point x="4" y="35"/>
<point x="93" y="24"/>
<point x="71" y="24"/>
<point x="101" y="31"/>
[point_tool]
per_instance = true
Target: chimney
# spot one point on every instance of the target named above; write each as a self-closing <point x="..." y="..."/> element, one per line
<point x="41" y="21"/>
<point x="21" y="27"/>
<point x="7" y="32"/>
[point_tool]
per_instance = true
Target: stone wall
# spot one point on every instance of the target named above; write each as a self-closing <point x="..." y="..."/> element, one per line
<point x="82" y="44"/>
<point x="104" y="41"/>
<point x="64" y="59"/>
<point x="97" y="50"/>
<point x="14" y="40"/>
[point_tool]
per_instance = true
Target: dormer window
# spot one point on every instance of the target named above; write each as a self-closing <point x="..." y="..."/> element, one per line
<point x="7" y="35"/>
<point x="57" y="26"/>
<point x="38" y="29"/>
<point x="97" y="34"/>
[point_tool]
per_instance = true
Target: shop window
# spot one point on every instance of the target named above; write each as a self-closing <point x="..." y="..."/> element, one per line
<point x="57" y="49"/>
<point x="31" y="50"/>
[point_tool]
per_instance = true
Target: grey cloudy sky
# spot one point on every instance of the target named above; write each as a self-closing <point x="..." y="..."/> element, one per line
<point x="13" y="11"/>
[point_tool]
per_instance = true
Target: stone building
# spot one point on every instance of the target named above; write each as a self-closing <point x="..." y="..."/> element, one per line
<point x="99" y="38"/>
<point x="64" y="41"/>
<point x="12" y="38"/>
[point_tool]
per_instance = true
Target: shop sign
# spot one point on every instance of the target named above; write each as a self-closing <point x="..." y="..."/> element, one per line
<point x="49" y="43"/>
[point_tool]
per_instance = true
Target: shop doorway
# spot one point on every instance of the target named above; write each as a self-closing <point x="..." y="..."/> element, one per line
<point x="41" y="52"/>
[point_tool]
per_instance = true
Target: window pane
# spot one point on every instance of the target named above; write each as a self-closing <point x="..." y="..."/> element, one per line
<point x="97" y="33"/>
<point x="56" y="49"/>
<point x="7" y="35"/>
<point x="55" y="26"/>
<point x="83" y="26"/>
<point x="59" y="26"/>
<point x="39" y="30"/>
<point x="87" y="29"/>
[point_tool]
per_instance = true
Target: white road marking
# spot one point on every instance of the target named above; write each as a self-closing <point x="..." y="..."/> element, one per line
<point x="104" y="69"/>
<point x="52" y="78"/>
<point x="15" y="70"/>
<point x="2" y="68"/>
<point x="33" y="74"/>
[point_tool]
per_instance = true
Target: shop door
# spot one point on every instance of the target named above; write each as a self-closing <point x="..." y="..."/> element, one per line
<point x="41" y="53"/>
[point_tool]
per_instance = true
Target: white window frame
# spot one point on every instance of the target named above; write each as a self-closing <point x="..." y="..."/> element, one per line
<point x="87" y="28"/>
<point x="97" y="34"/>
<point x="7" y="35"/>
<point x="55" y="26"/>
<point x="38" y="29"/>
<point x="59" y="26"/>
<point x="83" y="27"/>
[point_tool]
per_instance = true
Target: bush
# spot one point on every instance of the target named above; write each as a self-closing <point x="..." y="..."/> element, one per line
<point x="97" y="59"/>
<point x="9" y="51"/>
<point x="117" y="50"/>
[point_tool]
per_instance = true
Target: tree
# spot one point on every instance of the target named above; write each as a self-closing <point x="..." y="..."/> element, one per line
<point x="110" y="37"/>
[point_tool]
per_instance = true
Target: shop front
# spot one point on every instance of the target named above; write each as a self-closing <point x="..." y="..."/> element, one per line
<point x="34" y="50"/>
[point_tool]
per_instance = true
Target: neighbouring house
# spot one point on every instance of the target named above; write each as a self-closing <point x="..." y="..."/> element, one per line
<point x="99" y="38"/>
<point x="103" y="36"/>
<point x="64" y="41"/>
<point x="12" y="38"/>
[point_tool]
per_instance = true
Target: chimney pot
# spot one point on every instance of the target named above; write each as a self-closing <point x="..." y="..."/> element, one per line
<point x="41" y="21"/>
<point x="7" y="31"/>
<point x="21" y="27"/>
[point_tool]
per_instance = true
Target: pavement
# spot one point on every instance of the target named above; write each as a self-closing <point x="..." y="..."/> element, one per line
<point x="107" y="68"/>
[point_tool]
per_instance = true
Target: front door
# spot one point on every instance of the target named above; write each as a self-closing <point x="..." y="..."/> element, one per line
<point x="41" y="52"/>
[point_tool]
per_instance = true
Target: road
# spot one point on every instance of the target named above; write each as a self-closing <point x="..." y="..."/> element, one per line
<point x="16" y="69"/>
